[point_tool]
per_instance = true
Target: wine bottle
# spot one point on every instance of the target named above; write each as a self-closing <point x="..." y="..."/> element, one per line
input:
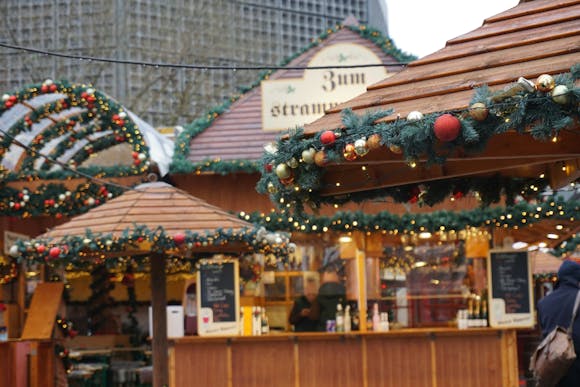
<point x="265" y="326"/>
<point x="339" y="318"/>
<point x="376" y="319"/>
<point x="347" y="319"/>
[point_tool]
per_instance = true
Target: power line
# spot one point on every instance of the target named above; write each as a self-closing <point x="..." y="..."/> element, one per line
<point x="191" y="66"/>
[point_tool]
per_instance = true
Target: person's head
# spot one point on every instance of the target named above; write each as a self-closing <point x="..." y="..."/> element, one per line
<point x="310" y="288"/>
<point x="329" y="276"/>
<point x="569" y="273"/>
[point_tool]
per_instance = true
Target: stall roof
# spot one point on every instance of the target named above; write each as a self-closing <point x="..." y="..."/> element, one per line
<point x="237" y="133"/>
<point x="531" y="39"/>
<point x="152" y="205"/>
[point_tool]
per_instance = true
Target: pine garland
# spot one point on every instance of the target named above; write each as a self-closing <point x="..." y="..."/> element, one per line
<point x="83" y="250"/>
<point x="55" y="199"/>
<point x="96" y="113"/>
<point x="517" y="215"/>
<point x="568" y="246"/>
<point x="511" y="109"/>
<point x="181" y="163"/>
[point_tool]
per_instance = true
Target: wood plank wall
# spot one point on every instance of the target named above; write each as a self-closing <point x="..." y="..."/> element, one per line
<point x="436" y="359"/>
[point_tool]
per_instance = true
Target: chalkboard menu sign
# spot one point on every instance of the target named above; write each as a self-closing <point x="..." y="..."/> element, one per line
<point x="510" y="289"/>
<point x="219" y="297"/>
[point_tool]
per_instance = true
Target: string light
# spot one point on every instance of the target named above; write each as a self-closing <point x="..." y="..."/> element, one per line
<point x="204" y="67"/>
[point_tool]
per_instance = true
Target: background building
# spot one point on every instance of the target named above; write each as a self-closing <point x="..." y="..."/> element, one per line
<point x="202" y="32"/>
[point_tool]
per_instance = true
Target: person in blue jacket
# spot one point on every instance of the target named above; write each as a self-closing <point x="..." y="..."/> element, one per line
<point x="556" y="309"/>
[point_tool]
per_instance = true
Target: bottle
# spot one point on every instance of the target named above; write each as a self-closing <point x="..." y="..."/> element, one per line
<point x="347" y="319"/>
<point x="256" y="321"/>
<point x="384" y="322"/>
<point x="355" y="319"/>
<point x="265" y="325"/>
<point x="376" y="319"/>
<point x="339" y="318"/>
<point x="484" y="312"/>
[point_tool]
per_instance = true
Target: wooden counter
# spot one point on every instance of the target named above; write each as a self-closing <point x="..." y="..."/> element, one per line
<point x="437" y="357"/>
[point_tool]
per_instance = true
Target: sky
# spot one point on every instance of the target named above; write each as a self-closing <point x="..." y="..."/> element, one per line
<point x="421" y="27"/>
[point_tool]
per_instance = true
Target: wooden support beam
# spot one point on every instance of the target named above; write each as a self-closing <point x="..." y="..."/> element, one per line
<point x="159" y="315"/>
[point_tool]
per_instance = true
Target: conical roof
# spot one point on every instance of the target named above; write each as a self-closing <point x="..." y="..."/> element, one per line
<point x="152" y="205"/>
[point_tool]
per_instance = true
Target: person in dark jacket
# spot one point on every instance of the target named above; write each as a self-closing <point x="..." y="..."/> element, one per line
<point x="330" y="294"/>
<point x="556" y="309"/>
<point x="301" y="316"/>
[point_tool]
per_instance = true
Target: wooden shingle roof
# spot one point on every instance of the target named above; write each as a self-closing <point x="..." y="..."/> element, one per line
<point x="151" y="205"/>
<point x="533" y="38"/>
<point x="238" y="134"/>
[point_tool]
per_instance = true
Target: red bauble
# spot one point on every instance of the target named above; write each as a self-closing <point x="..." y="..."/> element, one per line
<point x="447" y="127"/>
<point x="54" y="252"/>
<point x="41" y="249"/>
<point x="53" y="87"/>
<point x="268" y="167"/>
<point x="44" y="88"/>
<point x="328" y="137"/>
<point x="179" y="238"/>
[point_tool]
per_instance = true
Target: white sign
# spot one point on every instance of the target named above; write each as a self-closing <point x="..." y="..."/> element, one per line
<point x="291" y="102"/>
<point x="10" y="239"/>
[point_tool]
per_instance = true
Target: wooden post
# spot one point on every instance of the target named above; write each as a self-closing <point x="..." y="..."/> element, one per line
<point x="159" y="315"/>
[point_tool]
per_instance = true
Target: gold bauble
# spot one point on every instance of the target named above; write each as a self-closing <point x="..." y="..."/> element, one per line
<point x="374" y="141"/>
<point x="478" y="111"/>
<point x="320" y="158"/>
<point x="395" y="149"/>
<point x="545" y="83"/>
<point x="360" y="147"/>
<point x="349" y="152"/>
<point x="308" y="155"/>
<point x="283" y="171"/>
<point x="560" y="94"/>
<point x="293" y="163"/>
<point x="272" y="188"/>
<point x="414" y="116"/>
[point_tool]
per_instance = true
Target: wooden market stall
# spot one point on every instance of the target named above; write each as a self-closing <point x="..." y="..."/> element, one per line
<point x="65" y="148"/>
<point x="493" y="113"/>
<point x="155" y="221"/>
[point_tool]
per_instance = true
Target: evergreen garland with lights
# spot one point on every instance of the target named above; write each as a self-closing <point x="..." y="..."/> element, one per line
<point x="55" y="199"/>
<point x="91" y="248"/>
<point x="99" y="300"/>
<point x="93" y="117"/>
<point x="181" y="164"/>
<point x="132" y="328"/>
<point x="8" y="271"/>
<point x="294" y="166"/>
<point x="518" y="215"/>
<point x="568" y="246"/>
<point x="67" y="331"/>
